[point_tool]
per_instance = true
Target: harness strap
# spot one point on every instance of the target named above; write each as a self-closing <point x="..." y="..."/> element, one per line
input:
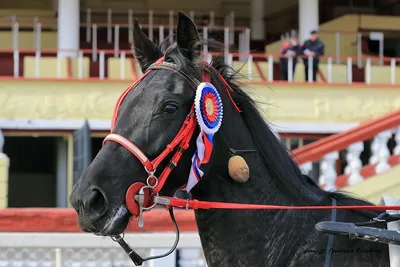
<point x="329" y="247"/>
<point x="199" y="204"/>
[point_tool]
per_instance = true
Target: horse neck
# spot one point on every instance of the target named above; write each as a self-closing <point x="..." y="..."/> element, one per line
<point x="219" y="229"/>
<point x="259" y="237"/>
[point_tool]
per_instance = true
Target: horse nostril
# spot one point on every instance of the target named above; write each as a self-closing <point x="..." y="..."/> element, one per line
<point x="96" y="202"/>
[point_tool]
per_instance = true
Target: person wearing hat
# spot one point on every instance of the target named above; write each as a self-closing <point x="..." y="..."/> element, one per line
<point x="314" y="48"/>
<point x="289" y="49"/>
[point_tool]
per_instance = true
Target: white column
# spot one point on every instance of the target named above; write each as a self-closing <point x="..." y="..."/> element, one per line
<point x="308" y="18"/>
<point x="257" y="20"/>
<point x="68" y="27"/>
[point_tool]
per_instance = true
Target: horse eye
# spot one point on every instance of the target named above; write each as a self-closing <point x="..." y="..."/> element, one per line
<point x="170" y="109"/>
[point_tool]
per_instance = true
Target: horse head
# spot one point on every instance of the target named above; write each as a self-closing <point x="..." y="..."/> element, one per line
<point x="156" y="120"/>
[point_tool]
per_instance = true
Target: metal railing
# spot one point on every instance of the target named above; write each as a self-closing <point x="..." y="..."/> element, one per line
<point x="164" y="31"/>
<point x="82" y="249"/>
<point x="255" y="67"/>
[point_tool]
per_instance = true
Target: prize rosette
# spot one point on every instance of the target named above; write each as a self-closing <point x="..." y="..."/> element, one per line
<point x="208" y="108"/>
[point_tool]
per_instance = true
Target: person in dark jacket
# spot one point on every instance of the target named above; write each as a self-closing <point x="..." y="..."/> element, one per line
<point x="314" y="48"/>
<point x="289" y="49"/>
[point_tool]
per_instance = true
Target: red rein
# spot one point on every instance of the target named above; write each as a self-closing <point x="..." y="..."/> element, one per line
<point x="182" y="139"/>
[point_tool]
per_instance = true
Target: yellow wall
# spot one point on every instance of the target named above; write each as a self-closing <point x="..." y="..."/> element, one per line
<point x="375" y="187"/>
<point x="295" y="103"/>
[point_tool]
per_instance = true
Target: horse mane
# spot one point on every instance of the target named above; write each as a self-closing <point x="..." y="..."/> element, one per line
<point x="283" y="169"/>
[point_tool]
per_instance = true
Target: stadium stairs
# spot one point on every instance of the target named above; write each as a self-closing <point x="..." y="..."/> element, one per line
<point x="364" y="160"/>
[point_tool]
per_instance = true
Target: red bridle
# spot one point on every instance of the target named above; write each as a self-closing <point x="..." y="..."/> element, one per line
<point x="181" y="142"/>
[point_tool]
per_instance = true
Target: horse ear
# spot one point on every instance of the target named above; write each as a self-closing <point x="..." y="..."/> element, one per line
<point x="144" y="50"/>
<point x="187" y="37"/>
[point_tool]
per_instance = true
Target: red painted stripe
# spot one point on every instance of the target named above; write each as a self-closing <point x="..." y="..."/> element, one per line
<point x="65" y="220"/>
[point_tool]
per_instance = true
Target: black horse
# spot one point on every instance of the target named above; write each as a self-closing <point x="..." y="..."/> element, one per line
<point x="151" y="116"/>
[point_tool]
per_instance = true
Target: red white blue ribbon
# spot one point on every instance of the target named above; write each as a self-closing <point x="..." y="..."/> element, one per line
<point x="209" y="111"/>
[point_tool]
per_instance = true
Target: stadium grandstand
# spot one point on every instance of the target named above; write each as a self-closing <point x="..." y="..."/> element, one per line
<point x="65" y="62"/>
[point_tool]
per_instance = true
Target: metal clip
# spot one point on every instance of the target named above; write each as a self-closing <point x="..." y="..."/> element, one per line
<point x="162" y="201"/>
<point x="140" y="199"/>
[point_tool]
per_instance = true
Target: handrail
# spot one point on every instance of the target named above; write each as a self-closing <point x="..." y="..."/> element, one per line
<point x="30" y="23"/>
<point x="340" y="141"/>
<point x="233" y="54"/>
<point x="121" y="25"/>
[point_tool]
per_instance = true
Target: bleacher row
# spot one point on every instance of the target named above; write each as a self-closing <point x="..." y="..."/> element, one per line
<point x="46" y="67"/>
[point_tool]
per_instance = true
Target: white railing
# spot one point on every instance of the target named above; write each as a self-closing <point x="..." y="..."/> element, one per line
<point x="86" y="250"/>
<point x="381" y="158"/>
<point x="257" y="68"/>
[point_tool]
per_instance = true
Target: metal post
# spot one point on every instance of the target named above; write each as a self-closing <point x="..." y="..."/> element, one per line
<point x="80" y="64"/>
<point x="171" y="26"/>
<point x="122" y="66"/>
<point x="349" y="70"/>
<point x="368" y="71"/>
<point x="35" y="21"/>
<point x="247" y="40"/>
<point x="38" y="36"/>
<point x="109" y="22"/>
<point x="310" y="69"/>
<point x="226" y="43"/>
<point x="250" y="67"/>
<point x="205" y="38"/>
<point x="359" y="53"/>
<point x="88" y="24"/>
<point x="212" y="18"/>
<point x="393" y="71"/>
<point x="161" y="33"/>
<point x="338" y="48"/>
<point x="15" y="35"/>
<point x="101" y="64"/>
<point x="329" y="66"/>
<point x="37" y="64"/>
<point x="290" y="69"/>
<point x="130" y="26"/>
<point x="270" y="68"/>
<point x="16" y="63"/>
<point x="232" y="30"/>
<point x="230" y="60"/>
<point x="241" y="42"/>
<point x="94" y="42"/>
<point x="151" y="25"/>
<point x="116" y="40"/>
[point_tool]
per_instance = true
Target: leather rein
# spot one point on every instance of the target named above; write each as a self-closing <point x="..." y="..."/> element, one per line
<point x="142" y="197"/>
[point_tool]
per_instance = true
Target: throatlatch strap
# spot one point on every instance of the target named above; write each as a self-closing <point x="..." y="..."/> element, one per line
<point x="331" y="238"/>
